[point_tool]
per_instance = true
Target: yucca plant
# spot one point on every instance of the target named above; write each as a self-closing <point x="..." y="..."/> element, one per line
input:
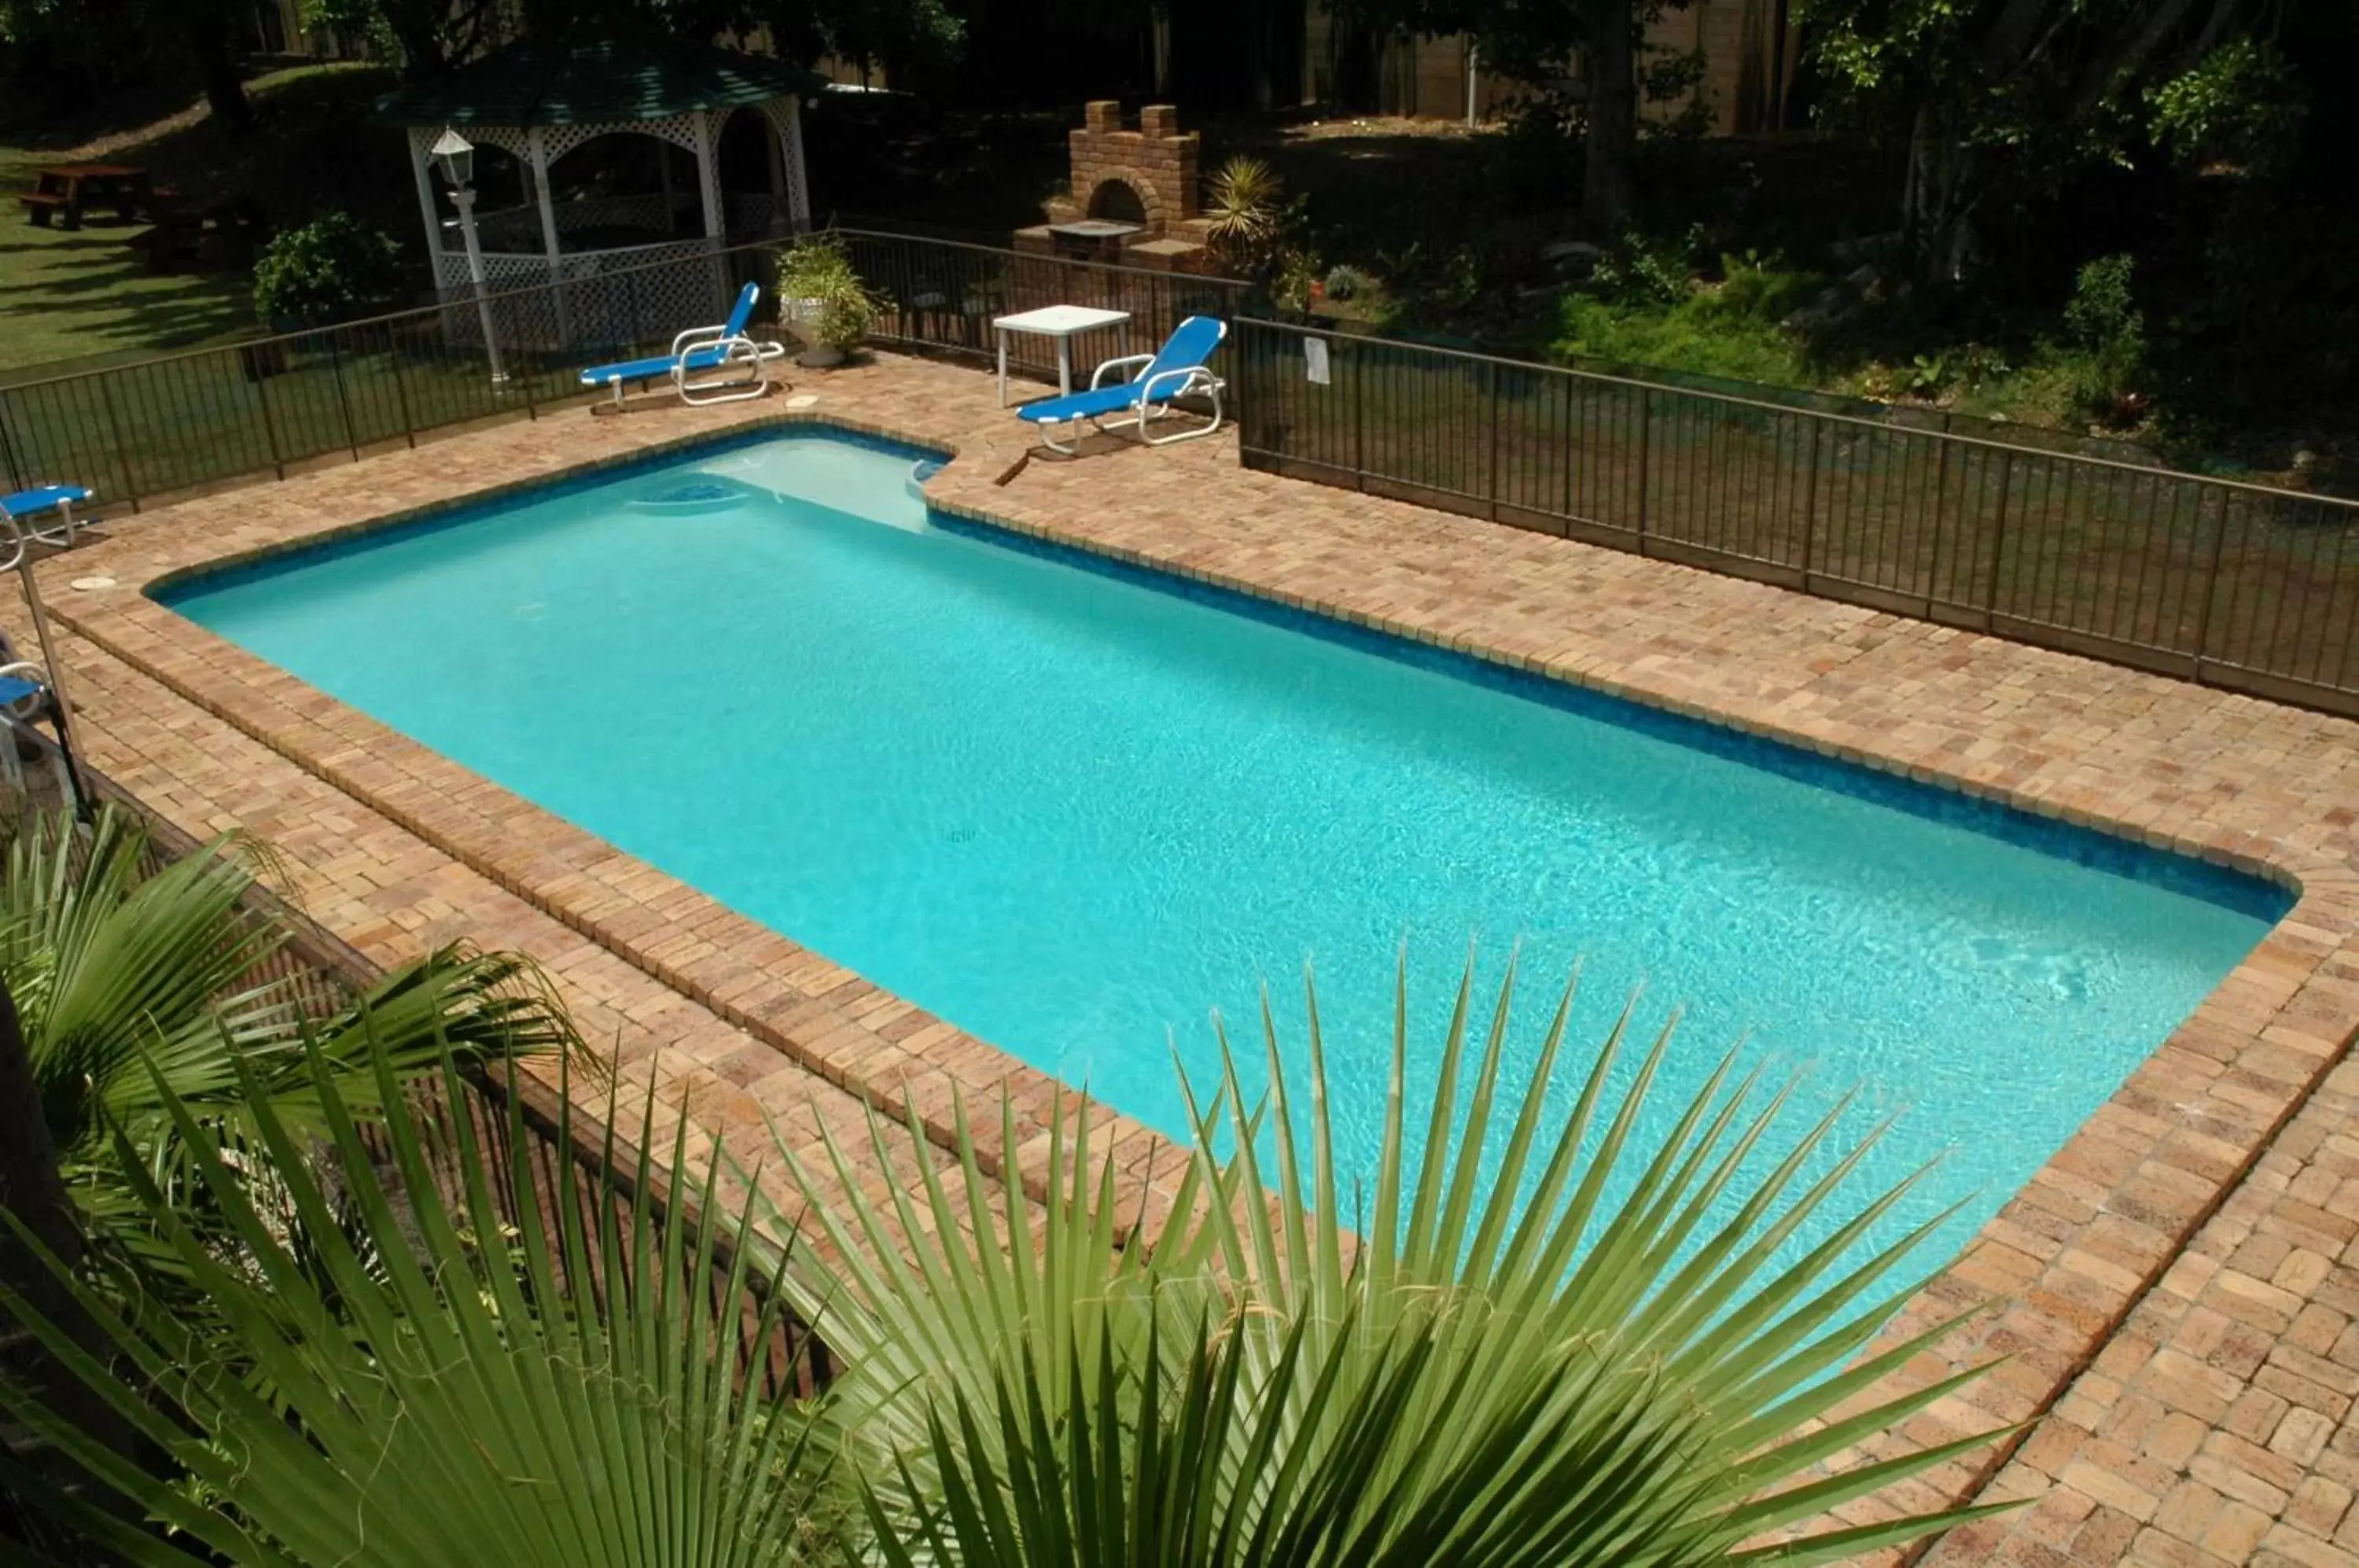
<point x="129" y="984"/>
<point x="1500" y="1366"/>
<point x="484" y="1382"/>
<point x="1244" y="201"/>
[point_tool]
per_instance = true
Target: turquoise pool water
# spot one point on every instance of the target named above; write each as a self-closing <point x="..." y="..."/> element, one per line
<point x="1072" y="809"/>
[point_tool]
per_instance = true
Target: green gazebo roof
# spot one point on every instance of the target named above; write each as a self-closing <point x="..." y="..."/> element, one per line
<point x="606" y="81"/>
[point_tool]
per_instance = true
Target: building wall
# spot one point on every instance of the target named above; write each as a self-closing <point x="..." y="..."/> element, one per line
<point x="1746" y="76"/>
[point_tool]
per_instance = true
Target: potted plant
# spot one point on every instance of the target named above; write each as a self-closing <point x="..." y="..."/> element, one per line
<point x="823" y="300"/>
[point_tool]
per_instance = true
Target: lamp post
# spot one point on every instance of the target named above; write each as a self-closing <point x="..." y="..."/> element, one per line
<point x="456" y="156"/>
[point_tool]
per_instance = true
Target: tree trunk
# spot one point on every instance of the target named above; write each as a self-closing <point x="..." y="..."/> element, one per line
<point x="1936" y="216"/>
<point x="31" y="1188"/>
<point x="213" y="45"/>
<point x="1610" y="179"/>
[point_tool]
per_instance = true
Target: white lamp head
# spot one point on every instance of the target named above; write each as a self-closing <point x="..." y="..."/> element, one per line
<point x="456" y="154"/>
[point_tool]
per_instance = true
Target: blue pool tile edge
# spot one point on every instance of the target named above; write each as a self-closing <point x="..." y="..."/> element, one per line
<point x="176" y="588"/>
<point x="2244" y="892"/>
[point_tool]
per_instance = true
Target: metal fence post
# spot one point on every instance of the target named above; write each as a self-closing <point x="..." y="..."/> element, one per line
<point x="114" y="431"/>
<point x="1359" y="418"/>
<point x="8" y="444"/>
<point x="1491" y="474"/>
<point x="1646" y="443"/>
<point x="2211" y="587"/>
<point x="1940" y="500"/>
<point x="1998" y="537"/>
<point x="401" y="387"/>
<point x="344" y="401"/>
<point x="1811" y="505"/>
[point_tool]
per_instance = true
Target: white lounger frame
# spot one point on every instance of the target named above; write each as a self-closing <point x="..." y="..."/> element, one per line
<point x="1193" y="378"/>
<point x="743" y="372"/>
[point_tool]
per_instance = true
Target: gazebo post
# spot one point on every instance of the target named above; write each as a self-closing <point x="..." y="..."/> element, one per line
<point x="708" y="180"/>
<point x="537" y="149"/>
<point x="777" y="146"/>
<point x="798" y="176"/>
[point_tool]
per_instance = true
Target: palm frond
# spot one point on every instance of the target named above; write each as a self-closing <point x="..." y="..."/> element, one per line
<point x="1573" y="1253"/>
<point x="478" y="1380"/>
<point x="134" y="986"/>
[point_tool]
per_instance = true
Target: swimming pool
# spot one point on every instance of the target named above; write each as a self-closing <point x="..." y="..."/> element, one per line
<point x="1071" y="807"/>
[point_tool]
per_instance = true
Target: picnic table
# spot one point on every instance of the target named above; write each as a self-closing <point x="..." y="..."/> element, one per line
<point x="68" y="189"/>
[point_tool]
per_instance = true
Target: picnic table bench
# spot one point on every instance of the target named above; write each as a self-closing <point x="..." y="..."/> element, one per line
<point x="69" y="189"/>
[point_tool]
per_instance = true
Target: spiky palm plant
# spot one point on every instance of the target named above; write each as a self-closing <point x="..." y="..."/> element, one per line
<point x="129" y="984"/>
<point x="1504" y="1368"/>
<point x="1501" y="1366"/>
<point x="485" y="1382"/>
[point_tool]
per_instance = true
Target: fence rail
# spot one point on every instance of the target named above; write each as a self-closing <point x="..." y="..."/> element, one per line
<point x="270" y="406"/>
<point x="186" y="421"/>
<point x="2235" y="586"/>
<point x="942" y="294"/>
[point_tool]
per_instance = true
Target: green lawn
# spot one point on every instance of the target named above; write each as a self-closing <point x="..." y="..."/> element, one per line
<point x="73" y="296"/>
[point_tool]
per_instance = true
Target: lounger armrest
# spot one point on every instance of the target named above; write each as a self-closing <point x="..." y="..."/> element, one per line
<point x="739" y="349"/>
<point x="715" y="333"/>
<point x="1097" y="377"/>
<point x="1188" y="377"/>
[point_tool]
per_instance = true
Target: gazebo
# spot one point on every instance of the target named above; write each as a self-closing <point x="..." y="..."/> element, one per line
<point x="608" y="155"/>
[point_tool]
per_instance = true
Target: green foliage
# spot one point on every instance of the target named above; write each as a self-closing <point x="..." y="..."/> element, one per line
<point x="1497" y="1365"/>
<point x="2239" y="105"/>
<point x="2103" y="324"/>
<point x="2004" y="105"/>
<point x="1733" y="332"/>
<point x="332" y="267"/>
<point x="1253" y="224"/>
<point x="1644" y="269"/>
<point x="1665" y="75"/>
<point x="1347" y="282"/>
<point x="431" y="1399"/>
<point x="1501" y="1366"/>
<point x="819" y="287"/>
<point x="138" y="996"/>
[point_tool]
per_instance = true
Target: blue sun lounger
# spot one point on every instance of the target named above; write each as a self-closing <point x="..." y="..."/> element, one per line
<point x="58" y="498"/>
<point x="731" y="364"/>
<point x="23" y="685"/>
<point x="1175" y="370"/>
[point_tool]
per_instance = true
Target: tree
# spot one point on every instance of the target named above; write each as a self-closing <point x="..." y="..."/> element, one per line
<point x="1504" y="1366"/>
<point x="428" y="37"/>
<point x="2004" y="101"/>
<point x="431" y="37"/>
<point x="205" y="38"/>
<point x="1539" y="41"/>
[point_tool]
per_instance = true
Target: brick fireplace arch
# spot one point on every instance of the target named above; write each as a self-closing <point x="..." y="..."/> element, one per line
<point x="1157" y="164"/>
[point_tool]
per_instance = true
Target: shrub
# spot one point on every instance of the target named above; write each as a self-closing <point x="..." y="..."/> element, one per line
<point x="1647" y="269"/>
<point x="1253" y="223"/>
<point x="2107" y="333"/>
<point x="331" y="267"/>
<point x="1345" y="282"/>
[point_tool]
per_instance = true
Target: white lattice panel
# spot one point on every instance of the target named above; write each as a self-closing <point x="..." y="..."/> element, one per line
<point x="785" y="115"/>
<point x="751" y="211"/>
<point x="499" y="271"/>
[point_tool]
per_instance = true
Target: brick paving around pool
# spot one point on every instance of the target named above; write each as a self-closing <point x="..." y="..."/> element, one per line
<point x="2175" y="1289"/>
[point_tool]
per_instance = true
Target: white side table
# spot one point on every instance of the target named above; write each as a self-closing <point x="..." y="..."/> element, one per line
<point x="1061" y="322"/>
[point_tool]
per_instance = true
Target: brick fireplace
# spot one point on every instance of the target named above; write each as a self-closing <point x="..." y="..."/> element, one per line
<point x="1134" y="194"/>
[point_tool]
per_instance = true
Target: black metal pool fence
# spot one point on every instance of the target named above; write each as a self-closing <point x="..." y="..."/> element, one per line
<point x="2233" y="584"/>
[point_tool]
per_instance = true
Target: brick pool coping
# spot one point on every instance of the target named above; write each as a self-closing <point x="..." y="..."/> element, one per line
<point x="2234" y="780"/>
